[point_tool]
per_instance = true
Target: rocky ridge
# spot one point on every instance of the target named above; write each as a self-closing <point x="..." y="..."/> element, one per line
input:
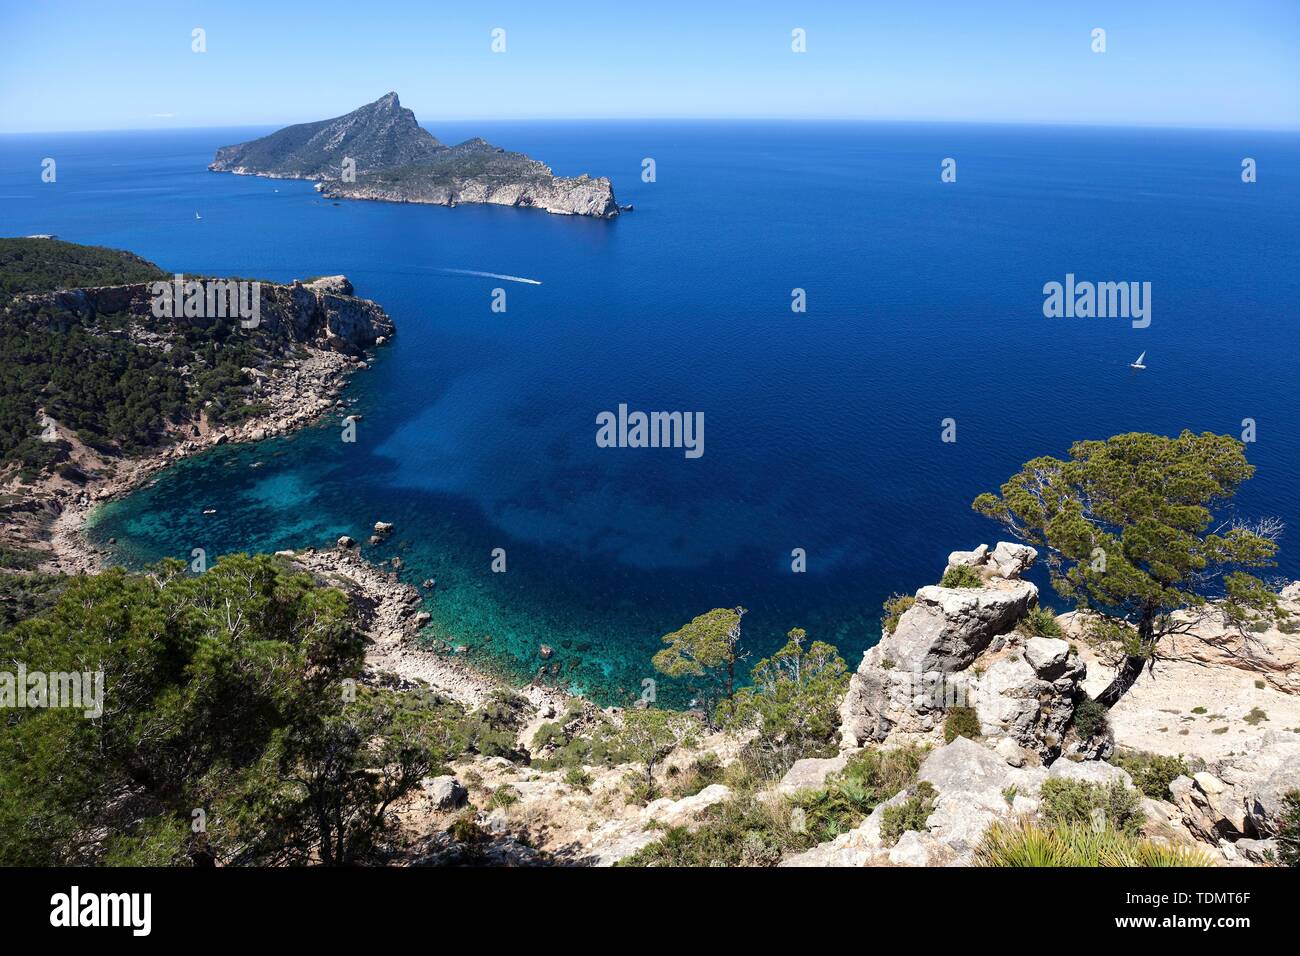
<point x="394" y="159"/>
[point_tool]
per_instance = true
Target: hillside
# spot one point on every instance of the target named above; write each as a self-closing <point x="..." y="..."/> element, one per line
<point x="395" y="160"/>
<point x="92" y="377"/>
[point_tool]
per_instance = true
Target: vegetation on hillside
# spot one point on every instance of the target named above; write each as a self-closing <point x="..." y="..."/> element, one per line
<point x="116" y="381"/>
<point x="231" y="731"/>
<point x="41" y="265"/>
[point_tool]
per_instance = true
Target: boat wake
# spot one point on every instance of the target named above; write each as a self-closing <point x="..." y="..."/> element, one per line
<point x="491" y="275"/>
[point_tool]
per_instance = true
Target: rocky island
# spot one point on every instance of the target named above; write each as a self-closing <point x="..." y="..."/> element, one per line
<point x="379" y="151"/>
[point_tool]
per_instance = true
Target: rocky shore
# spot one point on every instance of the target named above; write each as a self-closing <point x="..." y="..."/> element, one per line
<point x="391" y="616"/>
<point x="325" y="332"/>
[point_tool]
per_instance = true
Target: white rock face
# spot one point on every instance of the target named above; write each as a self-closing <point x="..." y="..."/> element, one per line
<point x="947" y="628"/>
<point x="445" y="792"/>
<point x="957" y="647"/>
<point x="1090" y="771"/>
<point x="810" y="774"/>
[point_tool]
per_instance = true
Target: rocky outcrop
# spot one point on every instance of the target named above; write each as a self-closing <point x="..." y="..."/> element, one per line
<point x="973" y="787"/>
<point x="393" y="159"/>
<point x="303" y="314"/>
<point x="959" y="647"/>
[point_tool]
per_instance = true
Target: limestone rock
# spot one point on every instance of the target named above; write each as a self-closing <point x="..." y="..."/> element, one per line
<point x="1011" y="560"/>
<point x="1089" y="771"/>
<point x="1047" y="656"/>
<point x="446" y="792"/>
<point x="947" y="628"/>
<point x="810" y="774"/>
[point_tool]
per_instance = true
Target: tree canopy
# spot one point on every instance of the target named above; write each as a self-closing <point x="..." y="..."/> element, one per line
<point x="1140" y="526"/>
<point x="231" y="732"/>
<point x="704" y="648"/>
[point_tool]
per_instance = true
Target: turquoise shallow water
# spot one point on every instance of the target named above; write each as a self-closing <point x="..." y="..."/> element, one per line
<point x="822" y="429"/>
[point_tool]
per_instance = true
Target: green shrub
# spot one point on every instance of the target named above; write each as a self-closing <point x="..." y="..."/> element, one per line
<point x="793" y="703"/>
<point x="1074" y="803"/>
<point x="961" y="722"/>
<point x="961" y="576"/>
<point x="749" y="831"/>
<point x="577" y="777"/>
<point x="503" y="796"/>
<point x="1288" y="833"/>
<point x="1041" y="622"/>
<point x="911" y="814"/>
<point x="1028" y="844"/>
<point x="895" y="606"/>
<point x="1152" y="773"/>
<point x="1090" y="719"/>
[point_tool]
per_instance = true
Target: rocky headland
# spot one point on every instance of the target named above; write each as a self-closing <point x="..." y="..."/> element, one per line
<point x="311" y="336"/>
<point x="380" y="152"/>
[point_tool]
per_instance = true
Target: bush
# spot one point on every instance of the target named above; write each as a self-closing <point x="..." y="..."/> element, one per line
<point x="961" y="722"/>
<point x="895" y="606"/>
<point x="750" y="831"/>
<point x="1090" y="719"/>
<point x="1288" y="834"/>
<point x="1152" y="773"/>
<point x="1075" y="802"/>
<point x="911" y="814"/>
<point x="961" y="576"/>
<point x="1028" y="844"/>
<point x="793" y="703"/>
<point x="1041" y="622"/>
<point x="577" y="777"/>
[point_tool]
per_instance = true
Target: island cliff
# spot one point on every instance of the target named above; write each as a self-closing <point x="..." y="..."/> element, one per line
<point x="379" y="151"/>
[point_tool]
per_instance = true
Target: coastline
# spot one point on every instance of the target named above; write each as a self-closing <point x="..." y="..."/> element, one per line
<point x="389" y="608"/>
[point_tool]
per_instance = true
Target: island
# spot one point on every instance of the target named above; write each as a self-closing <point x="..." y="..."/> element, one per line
<point x="380" y="152"/>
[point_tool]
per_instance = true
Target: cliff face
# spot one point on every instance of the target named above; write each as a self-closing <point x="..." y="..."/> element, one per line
<point x="315" y="314"/>
<point x="398" y="161"/>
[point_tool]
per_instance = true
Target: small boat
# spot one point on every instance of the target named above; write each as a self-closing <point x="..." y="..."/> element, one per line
<point x="197" y="216"/>
<point x="1138" y="363"/>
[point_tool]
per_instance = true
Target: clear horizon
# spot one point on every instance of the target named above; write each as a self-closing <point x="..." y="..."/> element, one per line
<point x="1186" y="65"/>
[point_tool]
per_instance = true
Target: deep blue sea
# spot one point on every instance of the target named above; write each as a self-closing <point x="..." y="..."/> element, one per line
<point x="822" y="429"/>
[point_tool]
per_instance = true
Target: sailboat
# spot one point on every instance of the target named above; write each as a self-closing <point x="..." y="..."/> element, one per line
<point x="1138" y="363"/>
<point x="197" y="216"/>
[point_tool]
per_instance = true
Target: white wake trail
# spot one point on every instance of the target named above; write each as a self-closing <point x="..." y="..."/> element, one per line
<point x="491" y="275"/>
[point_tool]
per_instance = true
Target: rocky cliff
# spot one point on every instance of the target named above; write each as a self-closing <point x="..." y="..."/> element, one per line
<point x="392" y="158"/>
<point x="969" y="647"/>
<point x="323" y="314"/>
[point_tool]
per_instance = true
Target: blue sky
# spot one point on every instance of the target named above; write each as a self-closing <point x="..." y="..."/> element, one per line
<point x="90" y="64"/>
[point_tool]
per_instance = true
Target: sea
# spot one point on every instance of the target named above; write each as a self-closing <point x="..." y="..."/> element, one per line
<point x="863" y="337"/>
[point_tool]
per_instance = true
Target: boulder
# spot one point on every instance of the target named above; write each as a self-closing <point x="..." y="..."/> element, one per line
<point x="1011" y="560"/>
<point x="964" y="766"/>
<point x="968" y="558"/>
<point x="1047" y="656"/>
<point x="1089" y="771"/>
<point x="810" y="774"/>
<point x="445" y="792"/>
<point x="947" y="628"/>
<point x="345" y="542"/>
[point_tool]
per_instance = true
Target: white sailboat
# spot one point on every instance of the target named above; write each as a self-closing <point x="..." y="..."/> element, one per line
<point x="197" y="216"/>
<point x="1138" y="363"/>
